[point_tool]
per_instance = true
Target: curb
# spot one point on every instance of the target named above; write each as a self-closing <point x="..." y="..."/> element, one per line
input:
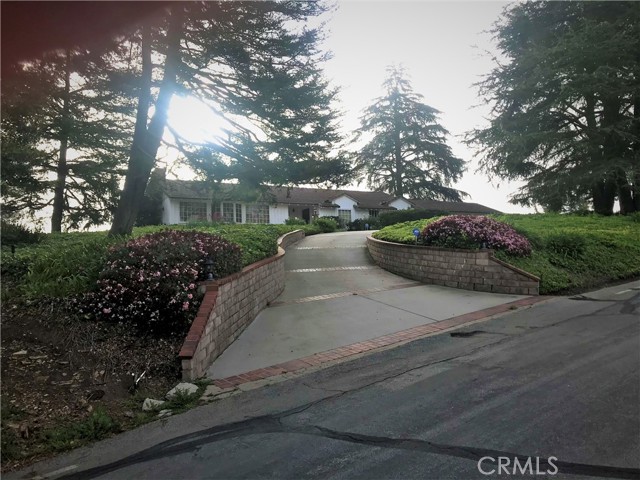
<point x="318" y="360"/>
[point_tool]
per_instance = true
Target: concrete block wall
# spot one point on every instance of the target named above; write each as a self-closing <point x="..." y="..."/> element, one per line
<point x="452" y="267"/>
<point x="229" y="305"/>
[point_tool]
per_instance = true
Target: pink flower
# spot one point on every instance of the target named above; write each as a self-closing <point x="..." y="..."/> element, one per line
<point x="106" y="311"/>
<point x="185" y="306"/>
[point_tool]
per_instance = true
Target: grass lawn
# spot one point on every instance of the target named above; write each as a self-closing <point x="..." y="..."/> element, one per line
<point x="570" y="252"/>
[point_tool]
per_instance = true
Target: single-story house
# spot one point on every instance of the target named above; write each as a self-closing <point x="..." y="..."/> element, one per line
<point x="185" y="201"/>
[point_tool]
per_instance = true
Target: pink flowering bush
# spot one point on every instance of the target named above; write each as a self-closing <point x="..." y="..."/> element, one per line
<point x="151" y="281"/>
<point x="468" y="231"/>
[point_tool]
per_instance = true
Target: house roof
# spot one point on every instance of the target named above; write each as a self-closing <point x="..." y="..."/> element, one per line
<point x="190" y="189"/>
<point x="305" y="196"/>
<point x="292" y="195"/>
<point x="368" y="200"/>
<point x="452" y="207"/>
<point x="187" y="189"/>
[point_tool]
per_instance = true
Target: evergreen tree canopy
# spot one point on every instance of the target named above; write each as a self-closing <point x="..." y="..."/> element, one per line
<point x="565" y="97"/>
<point x="65" y="130"/>
<point x="256" y="64"/>
<point x="406" y="153"/>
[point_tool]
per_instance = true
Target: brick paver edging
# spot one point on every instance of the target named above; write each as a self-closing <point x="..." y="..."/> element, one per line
<point x="229" y="305"/>
<point x="347" y="351"/>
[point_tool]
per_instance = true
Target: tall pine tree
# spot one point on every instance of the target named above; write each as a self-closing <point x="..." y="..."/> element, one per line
<point x="565" y="104"/>
<point x="65" y="129"/>
<point x="406" y="153"/>
<point x="255" y="63"/>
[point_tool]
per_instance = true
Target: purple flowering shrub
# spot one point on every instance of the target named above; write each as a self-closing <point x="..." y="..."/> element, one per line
<point x="151" y="281"/>
<point x="468" y="231"/>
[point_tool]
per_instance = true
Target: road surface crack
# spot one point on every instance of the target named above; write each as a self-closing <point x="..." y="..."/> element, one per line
<point x="273" y="425"/>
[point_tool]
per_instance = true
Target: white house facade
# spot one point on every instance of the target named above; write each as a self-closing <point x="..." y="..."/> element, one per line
<point x="188" y="201"/>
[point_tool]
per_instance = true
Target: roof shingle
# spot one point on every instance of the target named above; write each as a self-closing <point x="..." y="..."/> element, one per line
<point x="189" y="189"/>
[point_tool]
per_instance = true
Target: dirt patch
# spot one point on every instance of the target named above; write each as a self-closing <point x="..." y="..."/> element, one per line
<point x="58" y="369"/>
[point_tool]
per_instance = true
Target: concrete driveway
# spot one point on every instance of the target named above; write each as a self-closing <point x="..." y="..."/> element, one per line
<point x="335" y="296"/>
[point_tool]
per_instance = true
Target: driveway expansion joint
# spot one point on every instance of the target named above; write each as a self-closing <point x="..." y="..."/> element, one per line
<point x="330" y="296"/>
<point x="332" y="269"/>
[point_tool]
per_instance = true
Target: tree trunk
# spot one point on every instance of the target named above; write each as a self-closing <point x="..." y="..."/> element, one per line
<point x="61" y="169"/>
<point x="635" y="191"/>
<point x="397" y="153"/>
<point x="146" y="139"/>
<point x="604" y="195"/>
<point x="614" y="152"/>
<point x="625" y="195"/>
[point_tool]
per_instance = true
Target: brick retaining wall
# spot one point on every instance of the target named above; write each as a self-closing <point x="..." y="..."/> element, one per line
<point x="229" y="305"/>
<point x="453" y="267"/>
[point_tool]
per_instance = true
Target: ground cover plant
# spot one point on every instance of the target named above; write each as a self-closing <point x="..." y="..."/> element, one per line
<point x="60" y="365"/>
<point x="403" y="232"/>
<point x="574" y="252"/>
<point x="399" y="216"/>
<point x="568" y="252"/>
<point x="67" y="264"/>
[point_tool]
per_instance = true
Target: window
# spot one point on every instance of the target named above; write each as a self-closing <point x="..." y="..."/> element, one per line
<point x="257" y="213"/>
<point x="373" y="212"/>
<point x="190" y="211"/>
<point x="345" y="215"/>
<point x="216" y="212"/>
<point x="238" y="213"/>
<point x="227" y="212"/>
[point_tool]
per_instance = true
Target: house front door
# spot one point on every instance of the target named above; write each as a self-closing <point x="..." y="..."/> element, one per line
<point x="306" y="215"/>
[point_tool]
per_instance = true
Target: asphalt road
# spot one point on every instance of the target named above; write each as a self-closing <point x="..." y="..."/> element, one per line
<point x="560" y="379"/>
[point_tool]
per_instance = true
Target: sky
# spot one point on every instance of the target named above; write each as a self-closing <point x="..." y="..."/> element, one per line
<point x="442" y="46"/>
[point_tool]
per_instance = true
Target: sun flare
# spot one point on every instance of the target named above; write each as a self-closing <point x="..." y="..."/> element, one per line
<point x="196" y="122"/>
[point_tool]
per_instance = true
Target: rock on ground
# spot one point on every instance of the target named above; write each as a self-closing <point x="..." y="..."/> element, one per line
<point x="187" y="388"/>
<point x="151" y="404"/>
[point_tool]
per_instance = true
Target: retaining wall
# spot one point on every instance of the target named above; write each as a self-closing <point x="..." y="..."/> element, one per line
<point x="452" y="267"/>
<point x="229" y="305"/>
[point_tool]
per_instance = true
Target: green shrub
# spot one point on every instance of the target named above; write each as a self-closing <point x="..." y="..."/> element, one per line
<point x="475" y="231"/>
<point x="359" y="224"/>
<point x="16" y="234"/>
<point x="295" y="221"/>
<point x="326" y="225"/>
<point x="400" y="216"/>
<point x="151" y="281"/>
<point x="339" y="221"/>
